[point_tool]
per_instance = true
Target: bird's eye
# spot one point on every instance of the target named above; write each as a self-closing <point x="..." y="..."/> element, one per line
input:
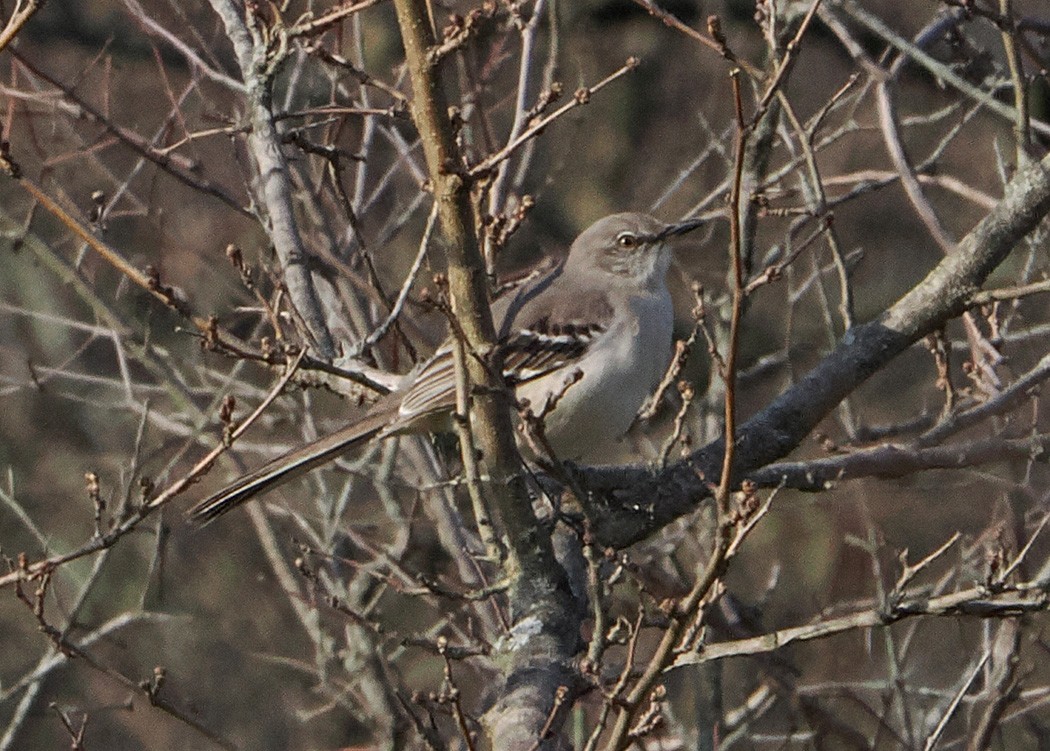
<point x="626" y="240"/>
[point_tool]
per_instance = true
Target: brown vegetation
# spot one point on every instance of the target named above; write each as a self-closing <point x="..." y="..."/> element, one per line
<point x="226" y="226"/>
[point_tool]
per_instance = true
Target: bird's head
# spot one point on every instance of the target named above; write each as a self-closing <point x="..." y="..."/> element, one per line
<point x="631" y="245"/>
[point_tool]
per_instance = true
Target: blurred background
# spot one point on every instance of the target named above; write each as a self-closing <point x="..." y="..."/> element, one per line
<point x="129" y="114"/>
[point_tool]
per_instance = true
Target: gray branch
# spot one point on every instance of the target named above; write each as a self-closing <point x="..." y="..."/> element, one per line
<point x="627" y="504"/>
<point x="273" y="190"/>
<point x="897" y="461"/>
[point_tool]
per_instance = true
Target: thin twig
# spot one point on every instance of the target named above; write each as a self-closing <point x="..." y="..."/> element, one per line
<point x="381" y="330"/>
<point x="580" y="97"/>
<point x="178" y="487"/>
<point x="1009" y="33"/>
<point x="941" y="70"/>
<point x="935" y="734"/>
<point x="314" y="26"/>
<point x="785" y="64"/>
<point x="23" y="11"/>
<point x="973" y="602"/>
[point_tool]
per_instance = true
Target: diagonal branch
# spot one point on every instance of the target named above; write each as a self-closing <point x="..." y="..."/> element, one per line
<point x="23" y="11"/>
<point x="628" y="504"/>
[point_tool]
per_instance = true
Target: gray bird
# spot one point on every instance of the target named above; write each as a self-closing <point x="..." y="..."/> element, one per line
<point x="592" y="336"/>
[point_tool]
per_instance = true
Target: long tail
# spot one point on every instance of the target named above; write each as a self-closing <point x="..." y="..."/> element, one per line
<point x="288" y="466"/>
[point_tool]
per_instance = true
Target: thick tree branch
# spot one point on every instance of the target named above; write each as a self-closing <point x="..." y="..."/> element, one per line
<point x="627" y="504"/>
<point x="546" y="631"/>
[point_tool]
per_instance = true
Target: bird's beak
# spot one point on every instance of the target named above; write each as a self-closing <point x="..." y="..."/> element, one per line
<point x="673" y="230"/>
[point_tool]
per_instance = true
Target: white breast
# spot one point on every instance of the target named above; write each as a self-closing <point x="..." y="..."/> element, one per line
<point x="621" y="370"/>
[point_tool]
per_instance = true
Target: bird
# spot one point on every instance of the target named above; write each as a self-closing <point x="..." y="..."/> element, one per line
<point x="589" y="339"/>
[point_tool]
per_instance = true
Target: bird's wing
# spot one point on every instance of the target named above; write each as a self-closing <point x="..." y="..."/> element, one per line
<point x="432" y="389"/>
<point x="538" y="334"/>
<point x="533" y="352"/>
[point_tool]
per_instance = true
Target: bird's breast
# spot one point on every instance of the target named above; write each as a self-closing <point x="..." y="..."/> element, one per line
<point x="619" y="371"/>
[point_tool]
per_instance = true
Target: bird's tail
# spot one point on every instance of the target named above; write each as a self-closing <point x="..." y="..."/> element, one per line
<point x="289" y="466"/>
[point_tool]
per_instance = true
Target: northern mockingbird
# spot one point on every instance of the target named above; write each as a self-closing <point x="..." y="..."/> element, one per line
<point x="591" y="337"/>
